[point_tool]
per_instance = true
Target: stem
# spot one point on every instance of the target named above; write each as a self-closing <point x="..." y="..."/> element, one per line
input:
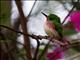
<point x="74" y="5"/>
<point x="37" y="50"/>
<point x="45" y="49"/>
<point x="42" y="37"/>
<point x="32" y="36"/>
<point x="68" y="15"/>
<point x="24" y="29"/>
<point x="32" y="9"/>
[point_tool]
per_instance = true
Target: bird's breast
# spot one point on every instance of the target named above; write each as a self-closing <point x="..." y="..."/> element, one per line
<point x="50" y="29"/>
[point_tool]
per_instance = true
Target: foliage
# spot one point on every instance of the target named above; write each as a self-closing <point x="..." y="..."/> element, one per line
<point x="5" y="9"/>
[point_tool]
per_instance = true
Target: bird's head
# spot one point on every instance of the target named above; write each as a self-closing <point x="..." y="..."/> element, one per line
<point x="52" y="17"/>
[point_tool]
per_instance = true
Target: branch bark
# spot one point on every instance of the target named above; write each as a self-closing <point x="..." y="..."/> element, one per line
<point x="23" y="23"/>
<point x="77" y="42"/>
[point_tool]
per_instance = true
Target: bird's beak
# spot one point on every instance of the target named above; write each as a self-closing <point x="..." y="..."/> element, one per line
<point x="44" y="14"/>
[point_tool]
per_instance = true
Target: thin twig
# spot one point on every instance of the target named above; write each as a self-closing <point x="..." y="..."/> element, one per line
<point x="44" y="50"/>
<point x="33" y="36"/>
<point x="74" y="5"/>
<point x="68" y="14"/>
<point x="37" y="50"/>
<point x="32" y="9"/>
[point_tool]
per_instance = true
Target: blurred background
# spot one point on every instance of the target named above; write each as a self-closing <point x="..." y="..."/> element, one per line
<point x="12" y="43"/>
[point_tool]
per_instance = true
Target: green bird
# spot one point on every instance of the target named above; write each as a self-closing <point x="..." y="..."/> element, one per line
<point x="53" y="26"/>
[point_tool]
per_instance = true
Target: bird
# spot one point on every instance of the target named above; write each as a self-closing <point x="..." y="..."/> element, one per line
<point x="53" y="27"/>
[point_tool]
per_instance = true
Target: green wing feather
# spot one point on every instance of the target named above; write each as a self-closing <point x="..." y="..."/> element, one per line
<point x="56" y="21"/>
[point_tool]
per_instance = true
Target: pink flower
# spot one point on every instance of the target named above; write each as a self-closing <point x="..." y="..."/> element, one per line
<point x="56" y="54"/>
<point x="75" y="19"/>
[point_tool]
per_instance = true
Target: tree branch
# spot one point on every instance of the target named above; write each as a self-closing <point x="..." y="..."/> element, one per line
<point x="36" y="51"/>
<point x="24" y="29"/>
<point x="39" y="36"/>
<point x="68" y="14"/>
<point x="32" y="36"/>
<point x="44" y="50"/>
<point x="74" y="5"/>
<point x="32" y="9"/>
<point x="44" y="37"/>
